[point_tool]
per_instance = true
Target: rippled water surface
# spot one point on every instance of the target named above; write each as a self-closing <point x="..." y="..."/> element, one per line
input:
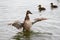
<point x="11" y="10"/>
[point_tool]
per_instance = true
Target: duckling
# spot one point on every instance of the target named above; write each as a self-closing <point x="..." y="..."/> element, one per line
<point x="53" y="6"/>
<point x="27" y="24"/>
<point x="41" y="8"/>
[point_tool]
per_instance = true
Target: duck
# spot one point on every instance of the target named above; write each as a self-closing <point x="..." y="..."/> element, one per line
<point x="41" y="8"/>
<point x="27" y="23"/>
<point x="53" y="6"/>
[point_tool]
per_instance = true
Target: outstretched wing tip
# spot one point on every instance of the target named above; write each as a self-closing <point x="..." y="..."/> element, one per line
<point x="16" y="24"/>
<point x="38" y="19"/>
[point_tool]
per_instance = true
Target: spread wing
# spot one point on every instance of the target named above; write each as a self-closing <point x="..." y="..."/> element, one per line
<point x="38" y="19"/>
<point x="17" y="24"/>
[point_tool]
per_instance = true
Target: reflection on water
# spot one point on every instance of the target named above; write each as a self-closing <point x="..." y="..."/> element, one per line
<point x="22" y="36"/>
<point x="30" y="35"/>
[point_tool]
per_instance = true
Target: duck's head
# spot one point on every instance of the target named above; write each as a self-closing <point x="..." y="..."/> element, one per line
<point x="51" y="3"/>
<point x="39" y="6"/>
<point x="28" y="12"/>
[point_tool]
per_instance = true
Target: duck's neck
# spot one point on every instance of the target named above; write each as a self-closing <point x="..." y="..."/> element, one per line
<point x="39" y="6"/>
<point x="51" y="4"/>
<point x="27" y="17"/>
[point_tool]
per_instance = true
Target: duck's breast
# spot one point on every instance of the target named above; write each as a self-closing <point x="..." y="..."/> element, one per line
<point x="27" y="24"/>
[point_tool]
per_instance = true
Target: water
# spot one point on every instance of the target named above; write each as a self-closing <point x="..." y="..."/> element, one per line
<point x="11" y="10"/>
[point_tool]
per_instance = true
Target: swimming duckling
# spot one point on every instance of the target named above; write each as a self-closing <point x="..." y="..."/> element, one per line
<point x="41" y="8"/>
<point x="27" y="24"/>
<point x="53" y="6"/>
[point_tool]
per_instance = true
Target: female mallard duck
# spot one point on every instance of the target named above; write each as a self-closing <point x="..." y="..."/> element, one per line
<point x="41" y="8"/>
<point x="53" y="6"/>
<point x="27" y="23"/>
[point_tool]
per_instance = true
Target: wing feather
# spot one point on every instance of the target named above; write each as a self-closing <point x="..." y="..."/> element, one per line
<point x="38" y="19"/>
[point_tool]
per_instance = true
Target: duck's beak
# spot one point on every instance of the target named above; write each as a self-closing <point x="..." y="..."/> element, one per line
<point x="30" y="13"/>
